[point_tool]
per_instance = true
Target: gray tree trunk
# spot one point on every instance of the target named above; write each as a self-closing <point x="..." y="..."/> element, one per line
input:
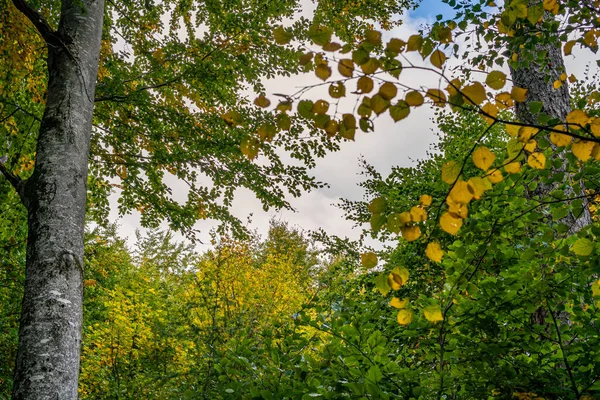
<point x="539" y="81"/>
<point x="49" y="346"/>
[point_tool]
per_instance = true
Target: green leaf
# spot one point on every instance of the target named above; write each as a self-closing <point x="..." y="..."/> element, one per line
<point x="381" y="283"/>
<point x="583" y="247"/>
<point x="319" y="34"/>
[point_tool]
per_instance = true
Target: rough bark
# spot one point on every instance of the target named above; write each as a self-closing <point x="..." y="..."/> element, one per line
<point x="47" y="365"/>
<point x="539" y="80"/>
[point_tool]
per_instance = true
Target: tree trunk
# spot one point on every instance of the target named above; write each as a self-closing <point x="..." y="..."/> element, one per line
<point x="539" y="82"/>
<point x="49" y="346"/>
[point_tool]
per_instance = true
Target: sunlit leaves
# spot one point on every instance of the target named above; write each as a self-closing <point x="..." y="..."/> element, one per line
<point x="414" y="98"/>
<point x="450" y="223"/>
<point x="323" y="71"/>
<point x="414" y="43"/>
<point x="537" y="160"/>
<point x="474" y="93"/>
<point x="368" y="260"/>
<point x="478" y="186"/>
<point x="399" y="304"/>
<point x="582" y="149"/>
<point x="560" y="139"/>
<point x="337" y="90"/>
<point x="583" y="247"/>
<point x="577" y="119"/>
<point x="364" y="84"/>
<point x="496" y="80"/>
<point x="425" y="200"/>
<point x="438" y="58"/>
<point x="460" y="193"/>
<point x="399" y="111"/>
<point x="450" y="172"/>
<point x="282" y="36"/>
<point x="388" y="90"/>
<point x="433" y="313"/>
<point x="404" y="317"/>
<point x="437" y="96"/>
<point x="483" y="158"/>
<point x="398" y="278"/>
<point x="320" y="35"/>
<point x="495" y="176"/>
<point x="250" y="147"/>
<point x="518" y="94"/>
<point x="346" y="67"/>
<point x="410" y="233"/>
<point x="262" y="101"/>
<point x="513" y="167"/>
<point x="434" y="251"/>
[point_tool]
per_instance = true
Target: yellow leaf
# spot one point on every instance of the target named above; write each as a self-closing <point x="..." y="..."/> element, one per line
<point x="577" y="117"/>
<point x="425" y="200"/>
<point x="414" y="99"/>
<point x="582" y="149"/>
<point x="438" y="58"/>
<point x="323" y="71"/>
<point x="404" y="218"/>
<point x="417" y="214"/>
<point x="370" y="66"/>
<point x="346" y="67"/>
<point x="496" y="80"/>
<point x="490" y="112"/>
<point x="503" y="100"/>
<point x="398" y="277"/>
<point x="388" y="90"/>
<point x="460" y="193"/>
<point x="495" y="176"/>
<point x="474" y="93"/>
<point x="563" y="76"/>
<point x="368" y="260"/>
<point x="526" y="133"/>
<point x="478" y="186"/>
<point x="433" y="313"/>
<point x="410" y="233"/>
<point x="414" y="43"/>
<point x="337" y="90"/>
<point x="513" y="130"/>
<point x="438" y="97"/>
<point x="373" y="37"/>
<point x="569" y="47"/>
<point x="560" y="139"/>
<point x="596" y="152"/>
<point x="537" y="160"/>
<point x="595" y="126"/>
<point x="404" y="317"/>
<point x="457" y="209"/>
<point x="483" y="158"/>
<point x="450" y="172"/>
<point x="399" y="304"/>
<point x="596" y="289"/>
<point x="450" y="223"/>
<point x="531" y="146"/>
<point x="557" y="84"/>
<point x="434" y="252"/>
<point x="262" y="101"/>
<point x="364" y="84"/>
<point x="518" y="94"/>
<point x="552" y="6"/>
<point x="250" y="147"/>
<point x="320" y="107"/>
<point x="513" y="168"/>
<point x="396" y="45"/>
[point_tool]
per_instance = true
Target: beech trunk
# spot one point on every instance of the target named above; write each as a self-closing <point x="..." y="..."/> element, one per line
<point x="47" y="365"/>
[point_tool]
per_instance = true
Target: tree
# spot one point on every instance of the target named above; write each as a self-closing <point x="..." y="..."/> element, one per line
<point x="162" y="104"/>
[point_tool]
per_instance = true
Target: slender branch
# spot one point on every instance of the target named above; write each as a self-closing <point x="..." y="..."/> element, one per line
<point x="45" y="30"/>
<point x="563" y="351"/>
<point x="14" y="180"/>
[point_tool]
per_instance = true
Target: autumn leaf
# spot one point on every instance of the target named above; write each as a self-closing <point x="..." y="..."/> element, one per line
<point x="518" y="94"/>
<point x="346" y="68"/>
<point x="404" y="317"/>
<point x="450" y="223"/>
<point x="460" y="193"/>
<point x="364" y="84"/>
<point x="496" y="80"/>
<point x="450" y="172"/>
<point x="433" y="313"/>
<point x="368" y="260"/>
<point x="438" y="58"/>
<point x="483" y="158"/>
<point x="399" y="304"/>
<point x="582" y="149"/>
<point x="414" y="98"/>
<point x="410" y="233"/>
<point x="474" y="93"/>
<point x="425" y="200"/>
<point x="434" y="252"/>
<point x="537" y="160"/>
<point x="262" y="101"/>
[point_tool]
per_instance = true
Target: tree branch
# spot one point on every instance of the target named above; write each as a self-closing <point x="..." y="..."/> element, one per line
<point x="14" y="180"/>
<point x="36" y="19"/>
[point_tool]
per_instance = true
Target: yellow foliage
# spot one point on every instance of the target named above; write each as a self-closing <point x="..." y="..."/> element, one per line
<point x="450" y="223"/>
<point x="483" y="158"/>
<point x="433" y="313"/>
<point x="434" y="251"/>
<point x="404" y="317"/>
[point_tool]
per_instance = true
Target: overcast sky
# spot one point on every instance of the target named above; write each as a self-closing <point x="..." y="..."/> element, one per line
<point x="390" y="145"/>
